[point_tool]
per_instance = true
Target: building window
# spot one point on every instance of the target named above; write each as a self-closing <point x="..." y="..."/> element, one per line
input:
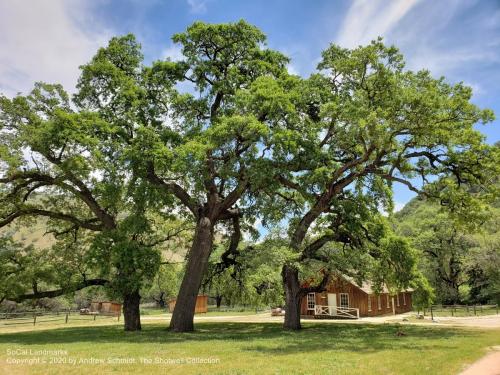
<point x="379" y="302"/>
<point x="369" y="303"/>
<point x="397" y="299"/>
<point x="388" y="301"/>
<point x="404" y="299"/>
<point x="344" y="300"/>
<point x="311" y="301"/>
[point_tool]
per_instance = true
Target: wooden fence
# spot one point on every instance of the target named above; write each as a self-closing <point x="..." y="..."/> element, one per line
<point x="461" y="310"/>
<point x="40" y="317"/>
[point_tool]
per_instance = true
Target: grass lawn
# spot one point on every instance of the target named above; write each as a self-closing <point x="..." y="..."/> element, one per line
<point x="153" y="311"/>
<point x="244" y="348"/>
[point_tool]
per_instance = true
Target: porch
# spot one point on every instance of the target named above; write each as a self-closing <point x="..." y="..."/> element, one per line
<point x="334" y="312"/>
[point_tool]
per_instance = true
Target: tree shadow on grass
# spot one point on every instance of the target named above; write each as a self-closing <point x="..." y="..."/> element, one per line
<point x="265" y="338"/>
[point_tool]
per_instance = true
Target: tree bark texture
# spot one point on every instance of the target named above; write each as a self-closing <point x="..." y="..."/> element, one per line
<point x="183" y="315"/>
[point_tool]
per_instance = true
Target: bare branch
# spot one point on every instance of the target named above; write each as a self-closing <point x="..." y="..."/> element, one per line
<point x="58" y="292"/>
<point x="87" y="224"/>
<point x="173" y="188"/>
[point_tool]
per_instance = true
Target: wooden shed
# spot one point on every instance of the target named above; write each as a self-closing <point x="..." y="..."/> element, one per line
<point x="201" y="304"/>
<point x="106" y="308"/>
<point x="344" y="298"/>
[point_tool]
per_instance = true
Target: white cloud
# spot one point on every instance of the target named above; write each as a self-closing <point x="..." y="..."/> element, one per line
<point x="174" y="53"/>
<point x="197" y="6"/>
<point x="292" y="69"/>
<point x="477" y="89"/>
<point x="367" y="19"/>
<point x="45" y="41"/>
<point x="439" y="62"/>
<point x="398" y="206"/>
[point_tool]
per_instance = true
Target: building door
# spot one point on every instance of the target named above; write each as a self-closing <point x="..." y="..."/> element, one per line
<point x="332" y="303"/>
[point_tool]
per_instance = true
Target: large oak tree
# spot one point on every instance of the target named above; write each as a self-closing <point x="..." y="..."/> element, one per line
<point x="183" y="129"/>
<point x="363" y="123"/>
<point x="65" y="166"/>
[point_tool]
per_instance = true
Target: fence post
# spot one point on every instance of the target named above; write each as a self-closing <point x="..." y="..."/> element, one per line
<point x="432" y="314"/>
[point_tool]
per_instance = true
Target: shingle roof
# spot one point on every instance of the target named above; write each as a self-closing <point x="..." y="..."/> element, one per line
<point x="367" y="286"/>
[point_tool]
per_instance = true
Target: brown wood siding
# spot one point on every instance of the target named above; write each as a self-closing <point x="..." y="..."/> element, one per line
<point x="106" y="308"/>
<point x="201" y="304"/>
<point x="359" y="299"/>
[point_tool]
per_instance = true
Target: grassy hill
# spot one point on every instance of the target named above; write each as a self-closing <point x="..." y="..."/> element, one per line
<point x="36" y="235"/>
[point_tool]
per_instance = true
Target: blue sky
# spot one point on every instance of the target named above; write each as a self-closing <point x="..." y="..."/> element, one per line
<point x="48" y="39"/>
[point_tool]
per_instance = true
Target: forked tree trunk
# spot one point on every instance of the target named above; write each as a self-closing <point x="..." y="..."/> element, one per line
<point x="182" y="317"/>
<point x="131" y="311"/>
<point x="292" y="295"/>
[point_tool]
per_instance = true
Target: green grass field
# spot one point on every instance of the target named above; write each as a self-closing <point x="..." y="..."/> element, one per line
<point x="241" y="348"/>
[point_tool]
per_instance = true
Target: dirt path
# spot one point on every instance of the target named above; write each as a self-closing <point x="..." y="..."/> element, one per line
<point x="492" y="321"/>
<point x="488" y="365"/>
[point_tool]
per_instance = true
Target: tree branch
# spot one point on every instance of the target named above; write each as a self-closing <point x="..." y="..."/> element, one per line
<point x="87" y="224"/>
<point x="58" y="292"/>
<point x="173" y="188"/>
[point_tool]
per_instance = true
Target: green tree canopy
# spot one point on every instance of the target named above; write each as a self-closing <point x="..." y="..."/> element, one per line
<point x="361" y="124"/>
<point x="65" y="165"/>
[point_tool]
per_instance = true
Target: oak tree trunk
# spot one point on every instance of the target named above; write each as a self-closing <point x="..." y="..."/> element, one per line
<point x="182" y="317"/>
<point x="292" y="295"/>
<point x="161" y="300"/>
<point x="218" y="301"/>
<point x="131" y="312"/>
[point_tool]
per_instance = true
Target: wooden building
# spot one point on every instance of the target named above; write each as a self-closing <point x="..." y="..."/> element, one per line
<point x="344" y="298"/>
<point x="201" y="304"/>
<point x="106" y="308"/>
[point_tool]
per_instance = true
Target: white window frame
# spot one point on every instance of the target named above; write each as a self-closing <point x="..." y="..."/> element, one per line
<point x="404" y="298"/>
<point x="388" y="301"/>
<point x="397" y="299"/>
<point x="342" y="305"/>
<point x="369" y="303"/>
<point x="379" y="301"/>
<point x="311" y="301"/>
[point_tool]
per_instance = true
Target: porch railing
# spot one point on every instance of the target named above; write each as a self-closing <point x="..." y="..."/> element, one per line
<point x="340" y="312"/>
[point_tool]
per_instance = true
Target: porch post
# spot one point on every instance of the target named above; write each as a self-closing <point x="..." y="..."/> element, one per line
<point x="393" y="307"/>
